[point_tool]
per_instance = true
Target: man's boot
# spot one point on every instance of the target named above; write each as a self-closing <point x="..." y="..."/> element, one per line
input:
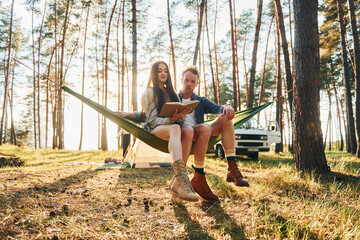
<point x="180" y="185"/>
<point x="202" y="188"/>
<point x="234" y="175"/>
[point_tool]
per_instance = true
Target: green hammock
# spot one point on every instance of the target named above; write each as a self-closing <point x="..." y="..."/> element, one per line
<point x="240" y="118"/>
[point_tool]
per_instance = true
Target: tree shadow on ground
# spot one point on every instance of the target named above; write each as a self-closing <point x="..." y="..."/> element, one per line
<point x="192" y="227"/>
<point x="223" y="220"/>
<point x="60" y="185"/>
<point x="351" y="180"/>
<point x="154" y="176"/>
<point x="285" y="226"/>
<point x="263" y="161"/>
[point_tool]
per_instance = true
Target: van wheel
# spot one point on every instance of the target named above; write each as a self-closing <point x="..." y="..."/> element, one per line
<point x="254" y="156"/>
<point x="219" y="151"/>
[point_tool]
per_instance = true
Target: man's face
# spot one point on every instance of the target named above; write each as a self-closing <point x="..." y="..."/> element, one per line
<point x="189" y="82"/>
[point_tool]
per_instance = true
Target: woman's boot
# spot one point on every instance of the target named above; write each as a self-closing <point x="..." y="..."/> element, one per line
<point x="180" y="184"/>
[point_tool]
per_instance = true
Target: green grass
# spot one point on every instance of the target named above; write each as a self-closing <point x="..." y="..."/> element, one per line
<point x="50" y="199"/>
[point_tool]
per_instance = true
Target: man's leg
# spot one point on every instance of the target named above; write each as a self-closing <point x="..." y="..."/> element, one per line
<point x="226" y="128"/>
<point x="202" y="134"/>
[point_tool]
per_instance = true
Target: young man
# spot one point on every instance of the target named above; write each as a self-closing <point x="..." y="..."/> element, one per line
<point x="194" y="129"/>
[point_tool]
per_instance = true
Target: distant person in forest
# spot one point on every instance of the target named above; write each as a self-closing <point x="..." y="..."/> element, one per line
<point x="195" y="131"/>
<point x="159" y="91"/>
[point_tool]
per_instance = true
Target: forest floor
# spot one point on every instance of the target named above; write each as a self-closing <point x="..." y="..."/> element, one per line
<point x="50" y="197"/>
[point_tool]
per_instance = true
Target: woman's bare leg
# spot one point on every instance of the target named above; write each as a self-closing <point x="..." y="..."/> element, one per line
<point x="187" y="136"/>
<point x="180" y="185"/>
<point x="171" y="133"/>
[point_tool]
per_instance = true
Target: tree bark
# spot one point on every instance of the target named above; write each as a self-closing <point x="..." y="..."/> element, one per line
<point x="87" y="5"/>
<point x="123" y="57"/>
<point x="337" y="106"/>
<point x="11" y="101"/>
<point x="210" y="57"/>
<point x="202" y="6"/>
<point x="307" y="136"/>
<point x="281" y="25"/>
<point x="351" y="147"/>
<point x="264" y="67"/>
<point x="60" y="130"/>
<point x="7" y="74"/>
<point x="34" y="76"/>
<point x="251" y="96"/>
<point x="233" y="59"/>
<point x="171" y="45"/>
<point x="134" y="54"/>
<point x="279" y="105"/>
<point x="216" y="60"/>
<point x="104" y="143"/>
<point x="355" y="35"/>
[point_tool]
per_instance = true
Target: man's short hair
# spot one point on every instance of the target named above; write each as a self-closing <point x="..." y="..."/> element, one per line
<point x="191" y="69"/>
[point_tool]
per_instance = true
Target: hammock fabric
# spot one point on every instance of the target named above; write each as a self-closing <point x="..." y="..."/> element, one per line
<point x="240" y="118"/>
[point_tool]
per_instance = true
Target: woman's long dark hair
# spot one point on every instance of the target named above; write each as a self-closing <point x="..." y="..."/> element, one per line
<point x="154" y="81"/>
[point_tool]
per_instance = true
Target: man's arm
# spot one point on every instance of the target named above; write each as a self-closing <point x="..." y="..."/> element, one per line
<point x="134" y="116"/>
<point x="228" y="112"/>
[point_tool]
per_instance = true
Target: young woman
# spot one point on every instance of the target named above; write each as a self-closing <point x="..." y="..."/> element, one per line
<point x="159" y="91"/>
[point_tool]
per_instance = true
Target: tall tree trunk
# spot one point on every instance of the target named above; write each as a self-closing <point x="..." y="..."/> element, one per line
<point x="123" y="57"/>
<point x="104" y="143"/>
<point x="349" y="110"/>
<point x="245" y="70"/>
<point x="11" y="101"/>
<point x="232" y="36"/>
<point x="171" y="45"/>
<point x="251" y="96"/>
<point x="328" y="127"/>
<point x="307" y="136"/>
<point x="264" y="67"/>
<point x="134" y="62"/>
<point x="118" y="70"/>
<point x="48" y="90"/>
<point x="210" y="57"/>
<point x="291" y="38"/>
<point x="236" y="59"/>
<point x="281" y="25"/>
<point x="98" y="80"/>
<point x="38" y="75"/>
<point x="34" y="75"/>
<point x="60" y="130"/>
<point x="87" y="5"/>
<point x="56" y="91"/>
<point x="355" y="35"/>
<point x="279" y="105"/>
<point x="202" y="6"/>
<point x="7" y="73"/>
<point x="203" y="64"/>
<point x="216" y="60"/>
<point x="337" y="106"/>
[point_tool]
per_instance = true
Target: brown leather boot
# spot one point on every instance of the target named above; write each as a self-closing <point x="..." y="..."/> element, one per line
<point x="202" y="188"/>
<point x="234" y="175"/>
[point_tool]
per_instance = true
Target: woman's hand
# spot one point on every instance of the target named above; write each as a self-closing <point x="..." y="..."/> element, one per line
<point x="179" y="115"/>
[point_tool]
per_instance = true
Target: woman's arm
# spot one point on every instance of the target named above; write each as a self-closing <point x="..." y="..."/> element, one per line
<point x="149" y="107"/>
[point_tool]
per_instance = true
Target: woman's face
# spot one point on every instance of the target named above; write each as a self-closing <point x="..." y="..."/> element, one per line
<point x="162" y="73"/>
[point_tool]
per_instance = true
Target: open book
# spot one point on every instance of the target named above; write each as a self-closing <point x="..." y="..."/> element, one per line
<point x="169" y="108"/>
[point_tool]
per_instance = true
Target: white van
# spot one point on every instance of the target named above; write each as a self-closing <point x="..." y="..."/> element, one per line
<point x="251" y="138"/>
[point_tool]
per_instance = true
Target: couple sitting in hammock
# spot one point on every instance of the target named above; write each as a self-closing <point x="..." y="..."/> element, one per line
<point x="182" y="129"/>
